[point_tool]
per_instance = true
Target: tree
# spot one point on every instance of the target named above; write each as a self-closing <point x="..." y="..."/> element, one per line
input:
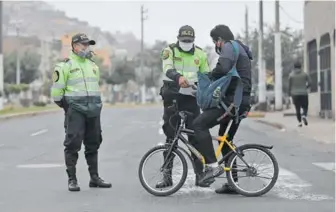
<point x="123" y="72"/>
<point x="29" y="64"/>
<point x="291" y="43"/>
<point x="152" y="63"/>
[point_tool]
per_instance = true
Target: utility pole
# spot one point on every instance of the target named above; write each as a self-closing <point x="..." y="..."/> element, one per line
<point x="277" y="59"/>
<point x="246" y="27"/>
<point x="262" y="74"/>
<point x="2" y="94"/>
<point x="18" y="63"/>
<point x="143" y="87"/>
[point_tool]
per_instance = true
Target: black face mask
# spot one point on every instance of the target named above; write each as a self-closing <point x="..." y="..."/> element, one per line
<point x="218" y="49"/>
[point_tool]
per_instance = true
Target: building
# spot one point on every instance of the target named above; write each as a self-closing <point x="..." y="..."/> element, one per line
<point x="319" y="56"/>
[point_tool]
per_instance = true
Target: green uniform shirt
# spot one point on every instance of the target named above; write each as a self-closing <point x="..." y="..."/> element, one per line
<point x="187" y="64"/>
<point x="76" y="81"/>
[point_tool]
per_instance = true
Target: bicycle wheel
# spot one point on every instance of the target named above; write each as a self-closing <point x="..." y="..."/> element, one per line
<point x="176" y="185"/>
<point x="253" y="171"/>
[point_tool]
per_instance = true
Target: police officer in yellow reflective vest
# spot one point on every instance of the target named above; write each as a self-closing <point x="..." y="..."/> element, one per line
<point x="181" y="62"/>
<point x="76" y="90"/>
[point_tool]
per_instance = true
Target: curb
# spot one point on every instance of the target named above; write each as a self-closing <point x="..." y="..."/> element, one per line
<point x="272" y="124"/>
<point x="127" y="105"/>
<point x="256" y="115"/>
<point x="33" y="113"/>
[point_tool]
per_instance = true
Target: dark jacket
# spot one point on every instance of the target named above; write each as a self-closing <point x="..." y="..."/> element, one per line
<point x="226" y="61"/>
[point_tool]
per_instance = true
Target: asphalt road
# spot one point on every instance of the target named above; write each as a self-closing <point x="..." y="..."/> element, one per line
<point x="32" y="176"/>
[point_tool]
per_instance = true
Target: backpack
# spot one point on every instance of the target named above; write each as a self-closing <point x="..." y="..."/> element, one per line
<point x="209" y="93"/>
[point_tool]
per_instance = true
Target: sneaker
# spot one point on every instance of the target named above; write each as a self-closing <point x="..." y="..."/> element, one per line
<point x="226" y="189"/>
<point x="300" y="124"/>
<point x="305" y="121"/>
<point x="210" y="173"/>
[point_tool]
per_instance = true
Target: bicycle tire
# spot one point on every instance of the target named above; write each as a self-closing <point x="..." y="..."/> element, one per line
<point x="266" y="189"/>
<point x="179" y="184"/>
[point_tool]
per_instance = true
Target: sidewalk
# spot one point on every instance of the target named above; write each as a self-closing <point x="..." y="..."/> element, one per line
<point x="321" y="130"/>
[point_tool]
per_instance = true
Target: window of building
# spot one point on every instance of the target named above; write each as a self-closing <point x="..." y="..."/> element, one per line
<point x="312" y="64"/>
<point x="325" y="71"/>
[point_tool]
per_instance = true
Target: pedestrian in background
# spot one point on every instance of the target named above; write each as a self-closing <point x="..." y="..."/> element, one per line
<point x="299" y="83"/>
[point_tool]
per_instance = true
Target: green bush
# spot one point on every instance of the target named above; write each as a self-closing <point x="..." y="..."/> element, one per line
<point x="39" y="104"/>
<point x="15" y="89"/>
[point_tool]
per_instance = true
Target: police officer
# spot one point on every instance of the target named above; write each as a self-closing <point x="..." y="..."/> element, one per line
<point x="181" y="61"/>
<point x="76" y="90"/>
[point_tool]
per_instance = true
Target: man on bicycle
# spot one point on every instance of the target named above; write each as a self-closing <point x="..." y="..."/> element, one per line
<point x="220" y="35"/>
<point x="180" y="61"/>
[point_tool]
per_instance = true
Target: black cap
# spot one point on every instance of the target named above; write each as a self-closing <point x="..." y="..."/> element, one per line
<point x="82" y="38"/>
<point x="186" y="33"/>
<point x="221" y="31"/>
<point x="297" y="64"/>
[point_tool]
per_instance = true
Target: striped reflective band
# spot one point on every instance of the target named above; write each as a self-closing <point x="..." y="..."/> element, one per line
<point x="82" y="93"/>
<point x="81" y="80"/>
<point x="186" y="68"/>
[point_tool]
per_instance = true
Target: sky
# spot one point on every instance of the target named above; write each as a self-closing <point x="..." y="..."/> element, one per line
<point x="166" y="17"/>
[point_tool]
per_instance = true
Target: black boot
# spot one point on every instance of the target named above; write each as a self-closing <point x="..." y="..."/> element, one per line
<point x="226" y="189"/>
<point x="167" y="180"/>
<point x="72" y="181"/>
<point x="95" y="181"/>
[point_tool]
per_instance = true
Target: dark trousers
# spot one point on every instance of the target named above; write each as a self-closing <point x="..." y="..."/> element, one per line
<point x="185" y="103"/>
<point x="300" y="101"/>
<point x="80" y="128"/>
<point x="206" y="121"/>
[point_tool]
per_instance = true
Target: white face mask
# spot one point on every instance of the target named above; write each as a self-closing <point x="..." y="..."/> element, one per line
<point x="186" y="46"/>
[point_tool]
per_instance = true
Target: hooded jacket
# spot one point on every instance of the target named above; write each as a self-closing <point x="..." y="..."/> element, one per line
<point x="227" y="60"/>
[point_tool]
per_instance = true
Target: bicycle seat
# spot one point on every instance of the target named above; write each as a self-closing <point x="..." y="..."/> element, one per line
<point x="184" y="114"/>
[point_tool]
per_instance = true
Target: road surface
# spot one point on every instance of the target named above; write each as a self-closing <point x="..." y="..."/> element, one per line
<point x="32" y="176"/>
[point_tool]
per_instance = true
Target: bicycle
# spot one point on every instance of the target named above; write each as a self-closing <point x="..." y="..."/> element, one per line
<point x="173" y="150"/>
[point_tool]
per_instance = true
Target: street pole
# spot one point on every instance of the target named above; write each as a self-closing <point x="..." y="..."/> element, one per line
<point x="2" y="94"/>
<point x="143" y="87"/>
<point x="277" y="59"/>
<point x="246" y="27"/>
<point x="262" y="75"/>
<point x="18" y="63"/>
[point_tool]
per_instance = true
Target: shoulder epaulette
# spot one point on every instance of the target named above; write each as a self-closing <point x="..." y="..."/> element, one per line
<point x="198" y="47"/>
<point x="172" y="45"/>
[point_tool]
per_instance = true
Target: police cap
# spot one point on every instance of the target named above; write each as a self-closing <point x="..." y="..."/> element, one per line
<point x="82" y="38"/>
<point x="186" y="34"/>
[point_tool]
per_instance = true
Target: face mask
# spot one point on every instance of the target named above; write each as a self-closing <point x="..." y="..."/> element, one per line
<point x="84" y="53"/>
<point x="186" y="46"/>
<point x="218" y="47"/>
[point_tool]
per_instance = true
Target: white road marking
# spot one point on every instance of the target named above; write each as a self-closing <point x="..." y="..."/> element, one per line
<point x="326" y="166"/>
<point x="39" y="132"/>
<point x="288" y="186"/>
<point x="189" y="185"/>
<point x="39" y="166"/>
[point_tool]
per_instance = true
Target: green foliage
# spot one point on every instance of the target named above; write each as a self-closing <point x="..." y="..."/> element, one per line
<point x="29" y="64"/>
<point x="291" y="41"/>
<point x="15" y="89"/>
<point x="152" y="60"/>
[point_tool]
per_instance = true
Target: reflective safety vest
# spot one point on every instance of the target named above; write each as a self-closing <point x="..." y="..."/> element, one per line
<point x="186" y="63"/>
<point x="76" y="81"/>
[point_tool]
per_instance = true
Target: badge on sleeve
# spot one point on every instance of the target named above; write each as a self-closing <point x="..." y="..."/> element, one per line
<point x="55" y="76"/>
<point x="165" y="54"/>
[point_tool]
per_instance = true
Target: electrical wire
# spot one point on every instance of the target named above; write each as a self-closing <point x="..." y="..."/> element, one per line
<point x="289" y="16"/>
